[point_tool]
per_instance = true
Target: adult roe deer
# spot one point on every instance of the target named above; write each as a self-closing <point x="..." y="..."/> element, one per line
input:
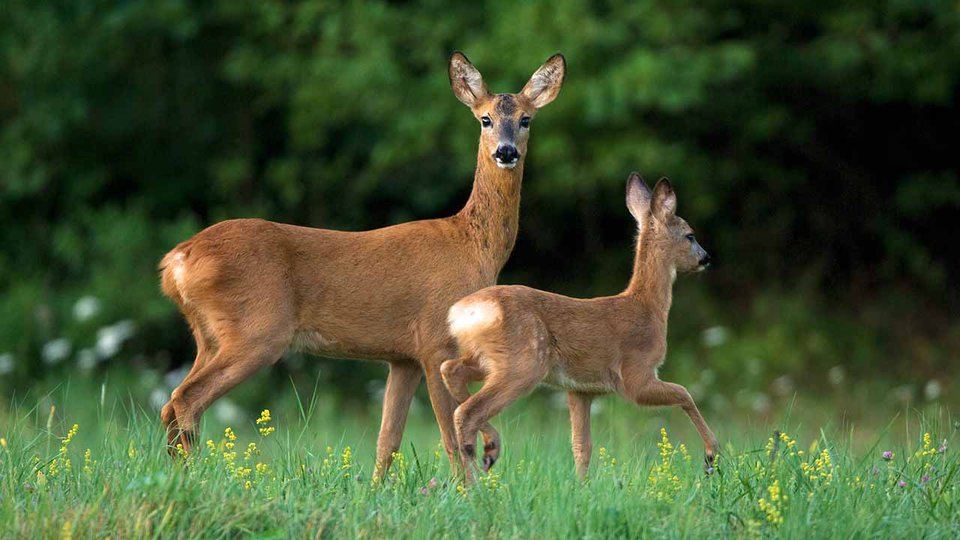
<point x="514" y="337"/>
<point x="252" y="289"/>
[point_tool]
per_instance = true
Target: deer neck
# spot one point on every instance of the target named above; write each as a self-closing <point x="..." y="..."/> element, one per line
<point x="492" y="214"/>
<point x="652" y="281"/>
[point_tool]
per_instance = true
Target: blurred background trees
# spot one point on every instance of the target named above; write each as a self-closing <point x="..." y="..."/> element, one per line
<point x="813" y="146"/>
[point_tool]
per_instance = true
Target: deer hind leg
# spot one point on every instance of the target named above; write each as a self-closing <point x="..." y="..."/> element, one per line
<point x="443" y="406"/>
<point x="402" y="383"/>
<point x="206" y="348"/>
<point x="500" y="390"/>
<point x="457" y="374"/>
<point x="244" y="346"/>
<point x="661" y="393"/>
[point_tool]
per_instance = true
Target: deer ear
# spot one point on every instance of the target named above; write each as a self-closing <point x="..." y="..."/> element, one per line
<point x="466" y="81"/>
<point x="545" y="83"/>
<point x="638" y="198"/>
<point x="664" y="200"/>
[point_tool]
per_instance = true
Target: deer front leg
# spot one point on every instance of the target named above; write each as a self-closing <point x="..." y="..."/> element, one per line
<point x="402" y="383"/>
<point x="457" y="374"/>
<point x="660" y="393"/>
<point x="579" y="405"/>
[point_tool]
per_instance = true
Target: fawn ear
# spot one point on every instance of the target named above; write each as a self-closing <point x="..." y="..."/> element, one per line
<point x="638" y="198"/>
<point x="664" y="200"/>
<point x="466" y="81"/>
<point x="545" y="83"/>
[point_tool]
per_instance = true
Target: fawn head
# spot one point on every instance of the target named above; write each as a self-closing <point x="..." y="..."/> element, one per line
<point x="505" y="118"/>
<point x="657" y="220"/>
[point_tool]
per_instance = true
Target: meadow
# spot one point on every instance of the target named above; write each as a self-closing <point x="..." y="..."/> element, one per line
<point x="83" y="457"/>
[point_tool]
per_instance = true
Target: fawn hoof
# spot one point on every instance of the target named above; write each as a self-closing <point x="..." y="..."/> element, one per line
<point x="708" y="463"/>
<point x="491" y="452"/>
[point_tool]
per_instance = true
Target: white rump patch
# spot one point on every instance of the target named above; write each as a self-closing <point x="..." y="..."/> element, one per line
<point x="475" y="315"/>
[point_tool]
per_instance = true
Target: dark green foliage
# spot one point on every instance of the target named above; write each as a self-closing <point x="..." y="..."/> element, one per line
<point x="812" y="145"/>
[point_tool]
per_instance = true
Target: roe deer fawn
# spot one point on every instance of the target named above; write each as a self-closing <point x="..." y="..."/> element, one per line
<point x="514" y="337"/>
<point x="252" y="289"/>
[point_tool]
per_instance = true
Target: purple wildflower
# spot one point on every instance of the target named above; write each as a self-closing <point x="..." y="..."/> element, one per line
<point x="887" y="455"/>
<point x="902" y="483"/>
<point x="943" y="447"/>
<point x="432" y="483"/>
<point x="925" y="479"/>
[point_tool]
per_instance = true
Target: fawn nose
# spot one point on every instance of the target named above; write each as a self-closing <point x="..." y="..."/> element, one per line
<point x="705" y="260"/>
<point x="506" y="154"/>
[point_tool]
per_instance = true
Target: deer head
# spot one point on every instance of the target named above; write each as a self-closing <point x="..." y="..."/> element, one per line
<point x="660" y="228"/>
<point x="505" y="118"/>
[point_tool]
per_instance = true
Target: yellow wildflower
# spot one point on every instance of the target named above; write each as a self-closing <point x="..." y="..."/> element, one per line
<point x="88" y="463"/>
<point x="821" y="470"/>
<point x="663" y="484"/>
<point x="3" y="443"/>
<point x="251" y="451"/>
<point x="491" y="480"/>
<point x="927" y="449"/>
<point x="399" y="470"/>
<point x="772" y="507"/>
<point x="263" y="421"/>
<point x="346" y="461"/>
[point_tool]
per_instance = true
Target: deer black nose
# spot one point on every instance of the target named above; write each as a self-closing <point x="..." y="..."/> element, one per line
<point x="506" y="153"/>
<point x="705" y="260"/>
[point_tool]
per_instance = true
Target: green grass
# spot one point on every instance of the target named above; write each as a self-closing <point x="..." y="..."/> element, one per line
<point x="314" y="486"/>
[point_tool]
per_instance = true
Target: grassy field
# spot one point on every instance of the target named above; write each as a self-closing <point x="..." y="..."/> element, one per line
<point x="86" y="460"/>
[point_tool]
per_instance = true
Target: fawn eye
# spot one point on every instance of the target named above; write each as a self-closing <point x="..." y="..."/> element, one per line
<point x="689" y="237"/>
<point x="486" y="121"/>
<point x="525" y="122"/>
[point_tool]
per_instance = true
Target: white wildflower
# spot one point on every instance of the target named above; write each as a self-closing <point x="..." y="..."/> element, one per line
<point x="86" y="308"/>
<point x="715" y="336"/>
<point x="6" y="363"/>
<point x="56" y="351"/>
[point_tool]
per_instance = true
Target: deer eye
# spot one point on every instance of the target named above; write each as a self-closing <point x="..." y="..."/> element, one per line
<point x="525" y="122"/>
<point x="689" y="237"/>
<point x="486" y="121"/>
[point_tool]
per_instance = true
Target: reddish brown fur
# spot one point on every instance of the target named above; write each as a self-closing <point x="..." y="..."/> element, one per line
<point x="514" y="338"/>
<point x="252" y="289"/>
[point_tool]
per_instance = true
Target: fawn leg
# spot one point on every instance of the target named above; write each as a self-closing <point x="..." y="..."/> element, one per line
<point x="661" y="393"/>
<point x="457" y="374"/>
<point x="496" y="394"/>
<point x="402" y="384"/>
<point x="579" y="405"/>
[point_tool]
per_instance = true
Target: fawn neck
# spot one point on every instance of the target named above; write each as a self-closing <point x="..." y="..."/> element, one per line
<point x="492" y="213"/>
<point x="652" y="280"/>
